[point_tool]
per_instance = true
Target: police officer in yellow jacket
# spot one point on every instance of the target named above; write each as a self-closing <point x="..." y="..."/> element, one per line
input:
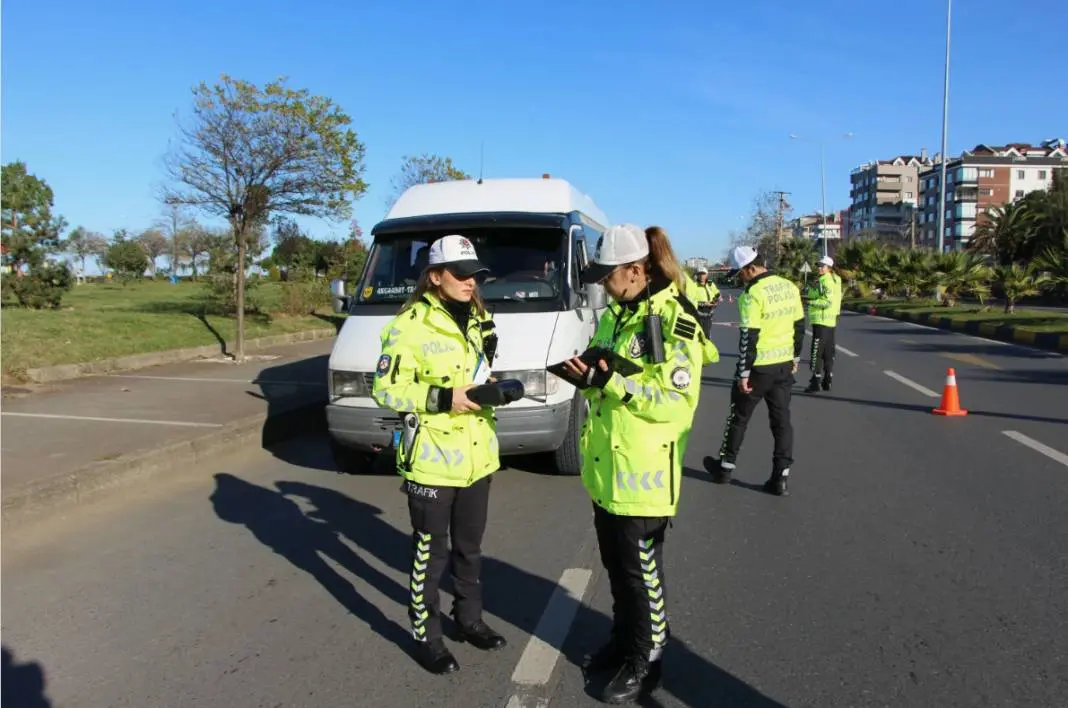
<point x="705" y="295"/>
<point x="824" y="306"/>
<point x="635" y="439"/>
<point x="771" y="335"/>
<point x="439" y="346"/>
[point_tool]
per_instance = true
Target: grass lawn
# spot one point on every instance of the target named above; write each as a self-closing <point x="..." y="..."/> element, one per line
<point x="1023" y="319"/>
<point x="100" y="321"/>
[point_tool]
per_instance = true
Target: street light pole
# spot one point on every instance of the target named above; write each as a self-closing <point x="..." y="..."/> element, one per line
<point x="823" y="201"/>
<point x="823" y="185"/>
<point x="945" y="131"/>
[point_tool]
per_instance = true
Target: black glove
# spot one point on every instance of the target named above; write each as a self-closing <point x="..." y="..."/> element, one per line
<point x="500" y="393"/>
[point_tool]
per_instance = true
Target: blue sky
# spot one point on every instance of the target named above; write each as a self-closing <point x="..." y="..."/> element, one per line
<point x="678" y="115"/>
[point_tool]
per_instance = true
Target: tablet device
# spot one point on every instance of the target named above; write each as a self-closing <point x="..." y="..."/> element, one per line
<point x="624" y="367"/>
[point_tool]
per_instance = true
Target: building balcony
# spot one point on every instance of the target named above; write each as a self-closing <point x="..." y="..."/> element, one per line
<point x="890" y="185"/>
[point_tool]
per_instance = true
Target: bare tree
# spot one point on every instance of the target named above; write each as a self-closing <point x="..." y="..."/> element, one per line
<point x="174" y="223"/>
<point x="155" y="245"/>
<point x="249" y="152"/>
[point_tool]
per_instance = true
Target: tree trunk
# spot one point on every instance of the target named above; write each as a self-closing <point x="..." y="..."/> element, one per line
<point x="1010" y="305"/>
<point x="239" y="354"/>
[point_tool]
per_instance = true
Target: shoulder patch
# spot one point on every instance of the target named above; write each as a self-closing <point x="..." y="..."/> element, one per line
<point x="383" y="364"/>
<point x="685" y="328"/>
<point x="680" y="378"/>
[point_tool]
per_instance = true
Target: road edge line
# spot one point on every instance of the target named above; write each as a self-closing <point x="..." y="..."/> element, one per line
<point x="66" y="491"/>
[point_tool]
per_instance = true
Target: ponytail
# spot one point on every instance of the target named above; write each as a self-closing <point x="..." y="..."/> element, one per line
<point x="662" y="261"/>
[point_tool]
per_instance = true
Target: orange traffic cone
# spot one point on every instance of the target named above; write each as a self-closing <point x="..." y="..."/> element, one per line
<point x="950" y="399"/>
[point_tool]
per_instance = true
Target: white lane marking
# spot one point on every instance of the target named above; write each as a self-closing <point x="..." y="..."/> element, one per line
<point x="180" y="423"/>
<point x="535" y="666"/>
<point x="912" y="384"/>
<point x="205" y="379"/>
<point x="1035" y="445"/>
<point x="518" y="701"/>
<point x="837" y="347"/>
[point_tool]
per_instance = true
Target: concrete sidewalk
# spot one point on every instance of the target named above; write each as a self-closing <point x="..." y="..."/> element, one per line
<point x="63" y="441"/>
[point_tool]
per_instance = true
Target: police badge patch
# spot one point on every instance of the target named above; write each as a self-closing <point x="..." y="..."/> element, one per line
<point x="680" y="378"/>
<point x="383" y="364"/>
<point x="637" y="346"/>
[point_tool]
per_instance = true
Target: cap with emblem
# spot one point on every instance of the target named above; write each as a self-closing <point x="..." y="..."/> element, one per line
<point x="826" y="261"/>
<point x="619" y="245"/>
<point x="701" y="270"/>
<point x="740" y="257"/>
<point x="457" y="254"/>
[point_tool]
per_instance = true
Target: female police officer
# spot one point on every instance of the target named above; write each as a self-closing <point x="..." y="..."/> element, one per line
<point x="635" y="439"/>
<point x="433" y="352"/>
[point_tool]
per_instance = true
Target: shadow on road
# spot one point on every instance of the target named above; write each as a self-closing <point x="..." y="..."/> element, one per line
<point x="979" y="349"/>
<point x="1018" y="376"/>
<point x="296" y="396"/>
<point x="23" y="684"/>
<point x="278" y="523"/>
<point x="927" y="409"/>
<point x="512" y="594"/>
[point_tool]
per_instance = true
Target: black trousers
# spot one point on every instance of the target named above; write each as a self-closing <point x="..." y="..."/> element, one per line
<point x="823" y="350"/>
<point x="772" y="384"/>
<point x="438" y="514"/>
<point x="632" y="554"/>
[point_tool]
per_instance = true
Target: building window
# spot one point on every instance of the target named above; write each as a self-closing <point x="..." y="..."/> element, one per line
<point x="1042" y="174"/>
<point x="988" y="192"/>
<point x="1020" y="174"/>
<point x="986" y="173"/>
<point x="909" y="195"/>
<point x="1019" y="194"/>
<point x="909" y="178"/>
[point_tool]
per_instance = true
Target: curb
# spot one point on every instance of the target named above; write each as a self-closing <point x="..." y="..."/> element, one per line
<point x="1050" y="341"/>
<point x="90" y="481"/>
<point x="64" y="372"/>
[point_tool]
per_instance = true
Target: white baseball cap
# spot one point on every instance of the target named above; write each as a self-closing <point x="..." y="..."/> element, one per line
<point x="740" y="257"/>
<point x="619" y="245"/>
<point x="702" y="269"/>
<point x="827" y="261"/>
<point x="457" y="254"/>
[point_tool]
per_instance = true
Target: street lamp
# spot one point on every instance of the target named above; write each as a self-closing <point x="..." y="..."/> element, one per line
<point x="945" y="128"/>
<point x="823" y="183"/>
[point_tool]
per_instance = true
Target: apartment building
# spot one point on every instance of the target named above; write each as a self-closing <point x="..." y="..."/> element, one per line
<point x="884" y="196"/>
<point x="980" y="178"/>
<point x="808" y="227"/>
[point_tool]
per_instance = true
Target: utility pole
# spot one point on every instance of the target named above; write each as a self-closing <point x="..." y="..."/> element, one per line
<point x="779" y="224"/>
<point x="945" y="129"/>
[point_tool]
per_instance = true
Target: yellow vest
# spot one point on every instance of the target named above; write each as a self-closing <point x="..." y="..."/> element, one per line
<point x="423" y="348"/>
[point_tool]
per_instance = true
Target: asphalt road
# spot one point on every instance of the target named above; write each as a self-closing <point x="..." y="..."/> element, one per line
<point x="918" y="562"/>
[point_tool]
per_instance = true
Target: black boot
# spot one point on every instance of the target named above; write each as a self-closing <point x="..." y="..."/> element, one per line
<point x="637" y="676"/>
<point x="813" y="385"/>
<point x="827" y="382"/>
<point x="435" y="657"/>
<point x="777" y="484"/>
<point x="608" y="658"/>
<point x="480" y="636"/>
<point x="720" y="474"/>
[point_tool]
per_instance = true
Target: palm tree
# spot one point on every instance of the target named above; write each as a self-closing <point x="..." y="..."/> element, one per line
<point x="1053" y="262"/>
<point x="915" y="272"/>
<point x="960" y="273"/>
<point x="1003" y="232"/>
<point x="1018" y="281"/>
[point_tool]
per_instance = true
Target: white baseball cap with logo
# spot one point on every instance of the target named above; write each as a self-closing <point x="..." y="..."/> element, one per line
<point x="457" y="254"/>
<point x="740" y="257"/>
<point x="826" y="261"/>
<point x="619" y="245"/>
